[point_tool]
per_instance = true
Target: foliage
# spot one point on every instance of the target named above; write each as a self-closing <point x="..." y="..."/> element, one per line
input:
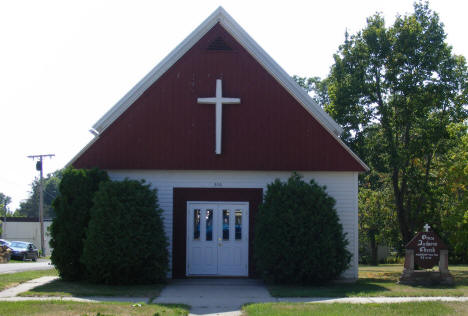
<point x="125" y="243"/>
<point x="4" y="201"/>
<point x="298" y="237"/>
<point x="317" y="86"/>
<point x="404" y="82"/>
<point x="4" y="210"/>
<point x="452" y="179"/>
<point x="72" y="207"/>
<point x="377" y="219"/>
<point x="396" y="90"/>
<point x="30" y="206"/>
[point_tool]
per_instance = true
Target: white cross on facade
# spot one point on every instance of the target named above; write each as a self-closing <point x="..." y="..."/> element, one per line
<point x="426" y="227"/>
<point x="219" y="101"/>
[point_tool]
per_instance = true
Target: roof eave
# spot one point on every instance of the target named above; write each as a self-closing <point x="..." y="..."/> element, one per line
<point x="222" y="17"/>
<point x="127" y="100"/>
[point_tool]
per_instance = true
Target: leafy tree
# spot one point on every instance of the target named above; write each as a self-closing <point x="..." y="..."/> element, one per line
<point x="395" y="90"/>
<point x="452" y="179"/>
<point x="316" y="86"/>
<point x="377" y="219"/>
<point x="4" y="201"/>
<point x="72" y="207"/>
<point x="405" y="78"/>
<point x="125" y="243"/>
<point x="298" y="236"/>
<point x="30" y="207"/>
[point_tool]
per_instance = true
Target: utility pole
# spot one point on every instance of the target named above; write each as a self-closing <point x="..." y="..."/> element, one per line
<point x="41" y="196"/>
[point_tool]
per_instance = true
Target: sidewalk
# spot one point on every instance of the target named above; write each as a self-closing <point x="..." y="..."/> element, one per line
<point x="213" y="296"/>
<point x="26" y="286"/>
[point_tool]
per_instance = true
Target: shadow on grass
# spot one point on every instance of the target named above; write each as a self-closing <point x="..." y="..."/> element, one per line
<point x="65" y="288"/>
<point x="460" y="275"/>
<point x="90" y="309"/>
<point x="359" y="288"/>
<point x="377" y="281"/>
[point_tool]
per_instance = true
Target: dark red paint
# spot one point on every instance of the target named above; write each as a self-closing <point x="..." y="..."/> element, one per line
<point x="167" y="129"/>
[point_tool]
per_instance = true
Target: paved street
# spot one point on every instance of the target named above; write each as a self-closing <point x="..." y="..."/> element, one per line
<point x="41" y="264"/>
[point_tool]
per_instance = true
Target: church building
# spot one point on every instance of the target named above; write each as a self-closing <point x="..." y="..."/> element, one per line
<point x="210" y="127"/>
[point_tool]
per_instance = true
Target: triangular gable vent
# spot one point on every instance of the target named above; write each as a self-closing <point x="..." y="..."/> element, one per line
<point x="219" y="44"/>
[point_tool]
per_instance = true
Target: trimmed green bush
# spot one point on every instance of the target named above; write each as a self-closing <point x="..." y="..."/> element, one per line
<point x="125" y="243"/>
<point x="298" y="237"/>
<point x="72" y="208"/>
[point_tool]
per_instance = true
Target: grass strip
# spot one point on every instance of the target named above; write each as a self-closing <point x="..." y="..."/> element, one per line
<point x="377" y="281"/>
<point x="317" y="309"/>
<point x="8" y="280"/>
<point x="65" y="288"/>
<point x="62" y="308"/>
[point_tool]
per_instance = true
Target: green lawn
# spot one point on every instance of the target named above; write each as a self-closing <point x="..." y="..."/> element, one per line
<point x="64" y="288"/>
<point x="317" y="309"/>
<point x="13" y="279"/>
<point x="378" y="281"/>
<point x="62" y="308"/>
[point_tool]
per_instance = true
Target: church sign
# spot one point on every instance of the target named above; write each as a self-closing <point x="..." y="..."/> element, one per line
<point x="426" y="246"/>
<point x="426" y="250"/>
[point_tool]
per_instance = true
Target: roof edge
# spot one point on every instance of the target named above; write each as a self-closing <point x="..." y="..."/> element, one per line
<point x="279" y="73"/>
<point x="131" y="96"/>
<point x="82" y="151"/>
<point x="221" y="16"/>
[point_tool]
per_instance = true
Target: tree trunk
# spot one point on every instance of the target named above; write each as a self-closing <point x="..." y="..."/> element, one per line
<point x="374" y="249"/>
<point x="402" y="212"/>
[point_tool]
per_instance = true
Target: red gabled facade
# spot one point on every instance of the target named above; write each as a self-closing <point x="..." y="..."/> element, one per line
<point x="165" y="128"/>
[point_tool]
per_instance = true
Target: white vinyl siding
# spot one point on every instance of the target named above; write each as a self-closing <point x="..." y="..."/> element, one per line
<point x="342" y="186"/>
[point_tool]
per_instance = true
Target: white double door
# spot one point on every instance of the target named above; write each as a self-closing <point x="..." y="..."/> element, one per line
<point x="218" y="238"/>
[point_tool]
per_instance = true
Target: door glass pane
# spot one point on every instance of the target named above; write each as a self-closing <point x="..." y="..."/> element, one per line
<point x="238" y="223"/>
<point x="225" y="224"/>
<point x="196" y="224"/>
<point x="209" y="224"/>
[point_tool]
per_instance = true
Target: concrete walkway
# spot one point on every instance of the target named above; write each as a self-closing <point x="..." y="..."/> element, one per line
<point x="26" y="286"/>
<point x="213" y="296"/>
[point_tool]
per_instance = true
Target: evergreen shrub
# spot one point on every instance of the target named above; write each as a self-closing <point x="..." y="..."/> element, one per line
<point x="72" y="208"/>
<point x="298" y="237"/>
<point x="126" y="243"/>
